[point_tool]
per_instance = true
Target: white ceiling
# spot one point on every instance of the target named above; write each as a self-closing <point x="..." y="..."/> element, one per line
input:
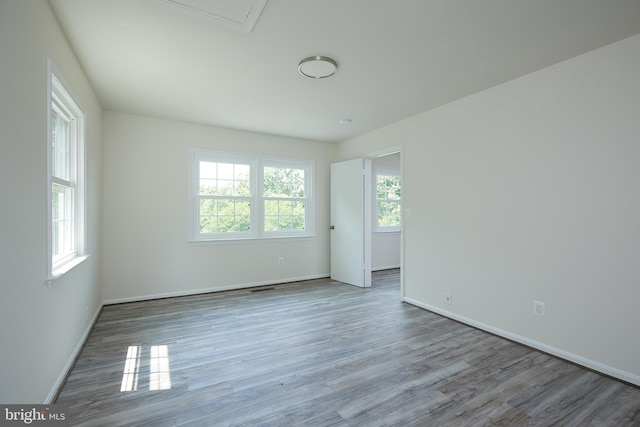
<point x="396" y="58"/>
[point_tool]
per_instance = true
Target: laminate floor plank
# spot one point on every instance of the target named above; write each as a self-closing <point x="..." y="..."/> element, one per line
<point x="322" y="353"/>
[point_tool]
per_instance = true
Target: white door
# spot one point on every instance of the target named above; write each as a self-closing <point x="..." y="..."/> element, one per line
<point x="350" y="222"/>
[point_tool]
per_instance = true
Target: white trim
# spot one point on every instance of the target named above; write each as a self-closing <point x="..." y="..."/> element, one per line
<point x="367" y="232"/>
<point x="252" y="240"/>
<point x="216" y="289"/>
<point x="387" y="232"/>
<point x="571" y="357"/>
<point x="386" y="267"/>
<point x="57" y="386"/>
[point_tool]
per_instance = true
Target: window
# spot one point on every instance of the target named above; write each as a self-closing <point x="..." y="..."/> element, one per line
<point x="238" y="196"/>
<point x="224" y="197"/>
<point x="284" y="198"/>
<point x="388" y="201"/>
<point x="65" y="179"/>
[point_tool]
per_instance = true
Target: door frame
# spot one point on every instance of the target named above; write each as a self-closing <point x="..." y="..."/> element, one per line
<point x="381" y="153"/>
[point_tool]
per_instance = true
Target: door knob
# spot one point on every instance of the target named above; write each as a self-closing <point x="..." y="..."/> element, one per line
<point x="332" y="228"/>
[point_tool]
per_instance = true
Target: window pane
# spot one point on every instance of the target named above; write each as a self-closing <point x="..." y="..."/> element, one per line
<point x="388" y="187"/>
<point x="271" y="215"/>
<point x="271" y="223"/>
<point x="285" y="207"/>
<point x="283" y="215"/>
<point x="242" y="187"/>
<point x="243" y="208"/>
<point x="388" y="214"/>
<point x="225" y="223"/>
<point x="297" y="183"/>
<point x="283" y="182"/>
<point x="286" y="184"/>
<point x="241" y="215"/>
<point x="208" y="207"/>
<point x="388" y="195"/>
<point x="208" y="224"/>
<point x="221" y="215"/>
<point x="233" y="223"/>
<point x="62" y="218"/>
<point x="59" y="146"/>
<point x="270" y="182"/>
<point x="297" y="215"/>
<point x="208" y="170"/>
<point x="243" y="223"/>
<point x="241" y="172"/>
<point x="208" y="212"/>
<point x="225" y="171"/>
<point x="225" y="187"/>
<point x="208" y="187"/>
<point x="224" y="179"/>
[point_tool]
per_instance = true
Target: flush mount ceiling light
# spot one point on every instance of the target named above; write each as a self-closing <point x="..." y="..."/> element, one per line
<point x="317" y="67"/>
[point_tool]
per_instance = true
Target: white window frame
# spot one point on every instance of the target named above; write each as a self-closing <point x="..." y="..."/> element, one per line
<point x="377" y="227"/>
<point x="60" y="100"/>
<point x="257" y="164"/>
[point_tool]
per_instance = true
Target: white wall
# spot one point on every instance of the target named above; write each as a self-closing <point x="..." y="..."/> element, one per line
<point x="529" y="191"/>
<point x="39" y="329"/>
<point x="385" y="246"/>
<point x="146" y="201"/>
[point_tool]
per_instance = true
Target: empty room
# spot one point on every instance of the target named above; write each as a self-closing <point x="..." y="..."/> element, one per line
<point x="324" y="213"/>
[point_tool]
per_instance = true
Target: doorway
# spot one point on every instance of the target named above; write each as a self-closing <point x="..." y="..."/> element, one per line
<point x="379" y="242"/>
<point x="386" y="209"/>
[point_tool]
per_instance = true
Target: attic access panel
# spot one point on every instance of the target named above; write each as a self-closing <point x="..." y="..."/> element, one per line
<point x="239" y="15"/>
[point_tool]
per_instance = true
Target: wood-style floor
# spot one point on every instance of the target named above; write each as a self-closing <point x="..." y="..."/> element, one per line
<point x="322" y="353"/>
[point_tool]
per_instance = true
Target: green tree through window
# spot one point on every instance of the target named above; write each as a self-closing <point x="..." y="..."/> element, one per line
<point x="225" y="197"/>
<point x="388" y="200"/>
<point x="284" y="206"/>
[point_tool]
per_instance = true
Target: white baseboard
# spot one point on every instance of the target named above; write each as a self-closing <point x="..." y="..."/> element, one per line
<point x="385" y="267"/>
<point x="72" y="359"/>
<point x="209" y="290"/>
<point x="571" y="357"/>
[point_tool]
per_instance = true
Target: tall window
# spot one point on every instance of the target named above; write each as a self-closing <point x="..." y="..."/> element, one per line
<point x="65" y="179"/>
<point x="238" y="196"/>
<point x="388" y="202"/>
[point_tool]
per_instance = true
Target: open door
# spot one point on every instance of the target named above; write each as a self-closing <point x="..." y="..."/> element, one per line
<point x="351" y="222"/>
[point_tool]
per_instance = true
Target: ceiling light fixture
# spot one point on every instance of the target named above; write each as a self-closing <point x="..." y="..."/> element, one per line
<point x="317" y="67"/>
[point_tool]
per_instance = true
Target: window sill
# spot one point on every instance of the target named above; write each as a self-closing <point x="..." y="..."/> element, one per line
<point x="64" y="269"/>
<point x="386" y="232"/>
<point x="250" y="240"/>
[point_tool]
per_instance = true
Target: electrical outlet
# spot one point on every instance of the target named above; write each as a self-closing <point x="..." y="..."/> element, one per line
<point x="280" y="260"/>
<point x="539" y="309"/>
<point x="448" y="299"/>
